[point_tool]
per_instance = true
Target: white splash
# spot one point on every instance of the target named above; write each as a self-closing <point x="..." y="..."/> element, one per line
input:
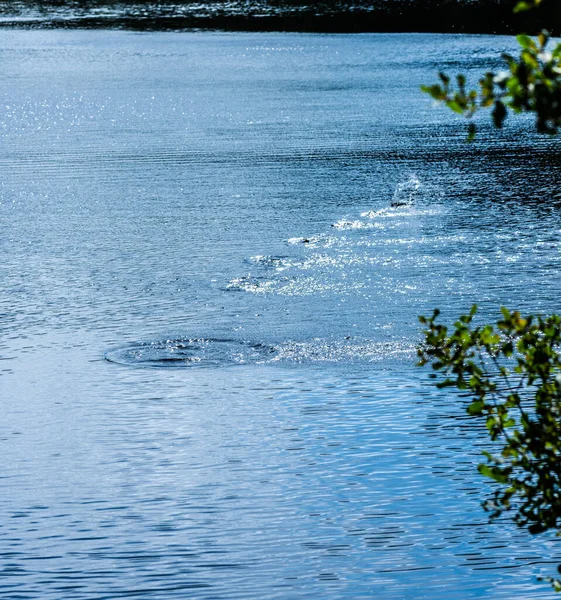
<point x="406" y="192"/>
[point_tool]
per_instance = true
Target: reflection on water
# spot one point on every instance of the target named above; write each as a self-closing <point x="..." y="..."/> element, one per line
<point x="265" y="215"/>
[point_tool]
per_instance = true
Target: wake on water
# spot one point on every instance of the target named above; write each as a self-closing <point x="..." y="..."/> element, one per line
<point x="213" y="352"/>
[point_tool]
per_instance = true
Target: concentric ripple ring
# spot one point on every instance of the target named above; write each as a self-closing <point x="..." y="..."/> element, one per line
<point x="189" y="352"/>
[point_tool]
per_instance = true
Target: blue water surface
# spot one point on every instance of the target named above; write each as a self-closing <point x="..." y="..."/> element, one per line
<point x="214" y="251"/>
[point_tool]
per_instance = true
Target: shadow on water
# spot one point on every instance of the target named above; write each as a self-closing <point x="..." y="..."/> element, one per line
<point x="478" y="16"/>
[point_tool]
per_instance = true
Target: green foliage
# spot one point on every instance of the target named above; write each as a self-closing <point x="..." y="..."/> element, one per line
<point x="511" y="371"/>
<point x="524" y="5"/>
<point x="530" y="83"/>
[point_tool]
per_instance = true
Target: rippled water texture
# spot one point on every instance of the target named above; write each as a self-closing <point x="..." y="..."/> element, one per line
<point x="265" y="216"/>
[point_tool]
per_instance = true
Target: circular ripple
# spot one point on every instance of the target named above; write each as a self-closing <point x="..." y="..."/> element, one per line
<point x="203" y="352"/>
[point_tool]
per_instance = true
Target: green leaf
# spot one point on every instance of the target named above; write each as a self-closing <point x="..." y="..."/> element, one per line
<point x="543" y="38"/>
<point x="493" y="473"/>
<point x="476" y="407"/>
<point x="522" y="6"/>
<point x="435" y="91"/>
<point x="526" y="42"/>
<point x="452" y="104"/>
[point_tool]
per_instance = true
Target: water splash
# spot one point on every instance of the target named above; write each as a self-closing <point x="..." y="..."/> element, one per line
<point x="312" y="240"/>
<point x="347" y="350"/>
<point x="344" y="224"/>
<point x="183" y="353"/>
<point x="292" y="286"/>
<point x="269" y="261"/>
<point x="406" y="192"/>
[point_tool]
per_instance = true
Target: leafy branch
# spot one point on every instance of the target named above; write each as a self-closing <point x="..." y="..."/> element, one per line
<point x="525" y="5"/>
<point x="531" y="83"/>
<point x="512" y="373"/>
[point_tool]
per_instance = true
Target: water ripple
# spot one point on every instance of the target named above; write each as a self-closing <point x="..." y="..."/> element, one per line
<point x="191" y="351"/>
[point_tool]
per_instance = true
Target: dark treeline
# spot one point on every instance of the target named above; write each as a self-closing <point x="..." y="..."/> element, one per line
<point x="456" y="16"/>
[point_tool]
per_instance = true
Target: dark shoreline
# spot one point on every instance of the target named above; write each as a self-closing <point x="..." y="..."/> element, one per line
<point x="436" y="16"/>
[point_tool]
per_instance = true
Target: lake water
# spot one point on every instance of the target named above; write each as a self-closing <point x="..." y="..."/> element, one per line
<point x="208" y="316"/>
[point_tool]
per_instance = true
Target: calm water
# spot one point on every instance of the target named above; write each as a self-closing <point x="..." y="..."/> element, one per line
<point x="208" y="316"/>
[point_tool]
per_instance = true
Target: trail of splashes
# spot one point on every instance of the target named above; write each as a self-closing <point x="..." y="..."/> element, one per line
<point x="184" y="353"/>
<point x="291" y="286"/>
<point x="348" y="350"/>
<point x="402" y="206"/>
